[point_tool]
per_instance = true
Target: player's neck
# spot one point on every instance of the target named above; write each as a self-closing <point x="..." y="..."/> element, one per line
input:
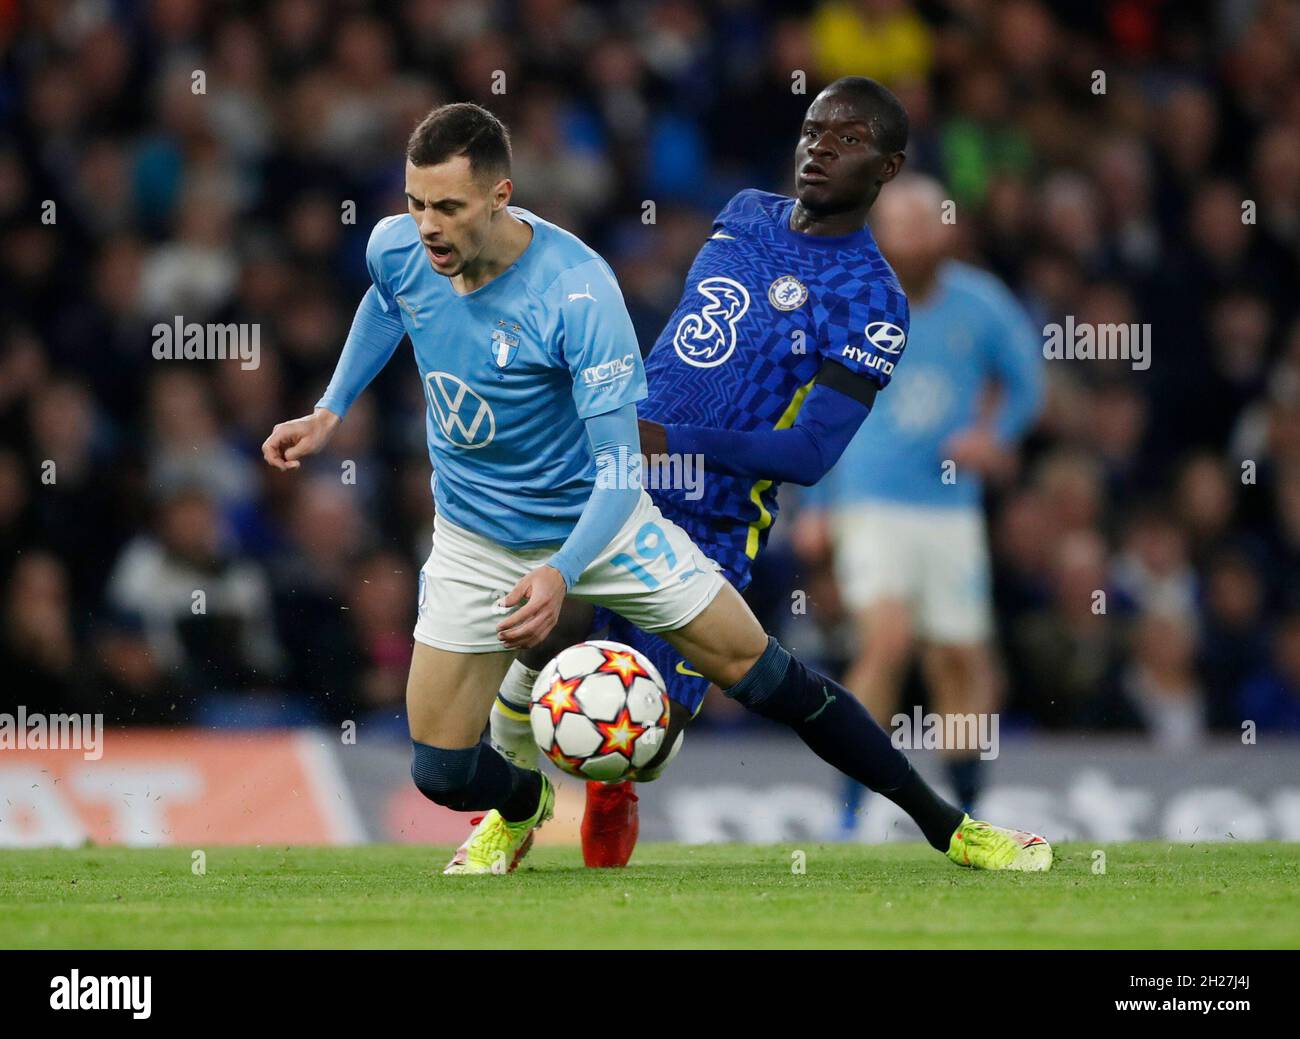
<point x="827" y="225"/>
<point x="508" y="243"/>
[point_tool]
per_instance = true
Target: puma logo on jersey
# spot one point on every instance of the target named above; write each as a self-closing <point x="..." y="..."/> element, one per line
<point x="415" y="317"/>
<point x="583" y="295"/>
<point x="826" y="702"/>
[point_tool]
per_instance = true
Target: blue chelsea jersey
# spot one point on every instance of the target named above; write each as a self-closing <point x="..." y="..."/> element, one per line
<point x="968" y="335"/>
<point x="763" y="308"/>
<point x="510" y="371"/>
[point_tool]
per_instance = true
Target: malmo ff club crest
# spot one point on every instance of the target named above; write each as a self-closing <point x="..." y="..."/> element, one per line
<point x="708" y="337"/>
<point x="504" y="344"/>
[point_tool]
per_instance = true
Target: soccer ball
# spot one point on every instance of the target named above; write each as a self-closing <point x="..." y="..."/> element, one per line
<point x="599" y="710"/>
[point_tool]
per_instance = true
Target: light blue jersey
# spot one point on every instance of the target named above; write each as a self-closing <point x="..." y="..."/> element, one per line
<point x="510" y="373"/>
<point x="969" y="332"/>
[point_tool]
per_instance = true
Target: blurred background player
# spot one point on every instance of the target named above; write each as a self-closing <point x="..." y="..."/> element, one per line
<point x="789" y="323"/>
<point x="903" y="509"/>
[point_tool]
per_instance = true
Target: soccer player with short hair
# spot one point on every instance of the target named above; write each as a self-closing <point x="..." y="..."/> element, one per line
<point x="790" y="323"/>
<point x="531" y="375"/>
<point x="932" y="590"/>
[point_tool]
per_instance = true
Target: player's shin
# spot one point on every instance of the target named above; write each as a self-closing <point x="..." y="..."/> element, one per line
<point x="840" y="731"/>
<point x="511" y="732"/>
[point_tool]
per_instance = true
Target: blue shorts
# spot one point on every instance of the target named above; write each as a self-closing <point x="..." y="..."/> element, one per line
<point x="686" y="686"/>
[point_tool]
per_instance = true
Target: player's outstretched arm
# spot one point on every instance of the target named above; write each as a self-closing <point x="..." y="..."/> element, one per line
<point x="803" y="453"/>
<point x="376" y="331"/>
<point x="861" y="341"/>
<point x="613" y="437"/>
<point x="371" y="341"/>
<point x="598" y="345"/>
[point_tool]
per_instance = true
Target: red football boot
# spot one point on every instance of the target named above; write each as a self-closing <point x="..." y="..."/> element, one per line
<point x="609" y="825"/>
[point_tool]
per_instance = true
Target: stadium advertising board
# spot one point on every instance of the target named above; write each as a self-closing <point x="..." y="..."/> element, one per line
<point x="194" y="787"/>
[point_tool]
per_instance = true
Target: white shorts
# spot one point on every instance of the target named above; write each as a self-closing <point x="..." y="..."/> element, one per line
<point x="935" y="560"/>
<point x="651" y="573"/>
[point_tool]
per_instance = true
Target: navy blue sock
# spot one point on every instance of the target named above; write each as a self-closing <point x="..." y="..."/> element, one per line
<point x="966" y="775"/>
<point x="840" y="731"/>
<point x="475" y="778"/>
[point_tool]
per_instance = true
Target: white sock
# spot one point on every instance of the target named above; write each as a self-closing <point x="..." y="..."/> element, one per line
<point x="513" y="736"/>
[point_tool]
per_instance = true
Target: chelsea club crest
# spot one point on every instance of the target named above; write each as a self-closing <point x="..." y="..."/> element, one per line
<point x="504" y="344"/>
<point x="787" y="293"/>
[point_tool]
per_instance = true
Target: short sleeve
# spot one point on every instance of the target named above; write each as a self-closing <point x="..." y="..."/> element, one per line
<point x="866" y="331"/>
<point x="730" y="210"/>
<point x="598" y="342"/>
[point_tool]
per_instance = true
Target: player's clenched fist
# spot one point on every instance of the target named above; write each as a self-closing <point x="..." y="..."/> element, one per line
<point x="297" y="438"/>
<point x="543" y="589"/>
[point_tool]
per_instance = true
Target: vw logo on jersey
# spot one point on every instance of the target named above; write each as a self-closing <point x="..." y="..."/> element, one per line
<point x="885" y="336"/>
<point x="463" y="416"/>
<point x="787" y="293"/>
<point x="708" y="337"/>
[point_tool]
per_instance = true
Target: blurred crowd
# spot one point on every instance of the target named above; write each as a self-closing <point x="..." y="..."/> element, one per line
<point x="225" y="162"/>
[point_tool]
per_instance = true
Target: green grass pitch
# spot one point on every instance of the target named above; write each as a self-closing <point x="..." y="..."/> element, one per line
<point x="1151" y="895"/>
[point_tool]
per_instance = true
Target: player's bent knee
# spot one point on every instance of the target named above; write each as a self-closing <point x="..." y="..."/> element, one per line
<point x="443" y="775"/>
<point x="779" y="687"/>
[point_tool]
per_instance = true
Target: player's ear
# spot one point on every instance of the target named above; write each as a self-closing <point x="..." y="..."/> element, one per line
<point x="891" y="167"/>
<point x="501" y="193"/>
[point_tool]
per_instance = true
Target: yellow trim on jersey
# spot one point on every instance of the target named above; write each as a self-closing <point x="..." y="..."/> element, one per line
<point x="756" y="492"/>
